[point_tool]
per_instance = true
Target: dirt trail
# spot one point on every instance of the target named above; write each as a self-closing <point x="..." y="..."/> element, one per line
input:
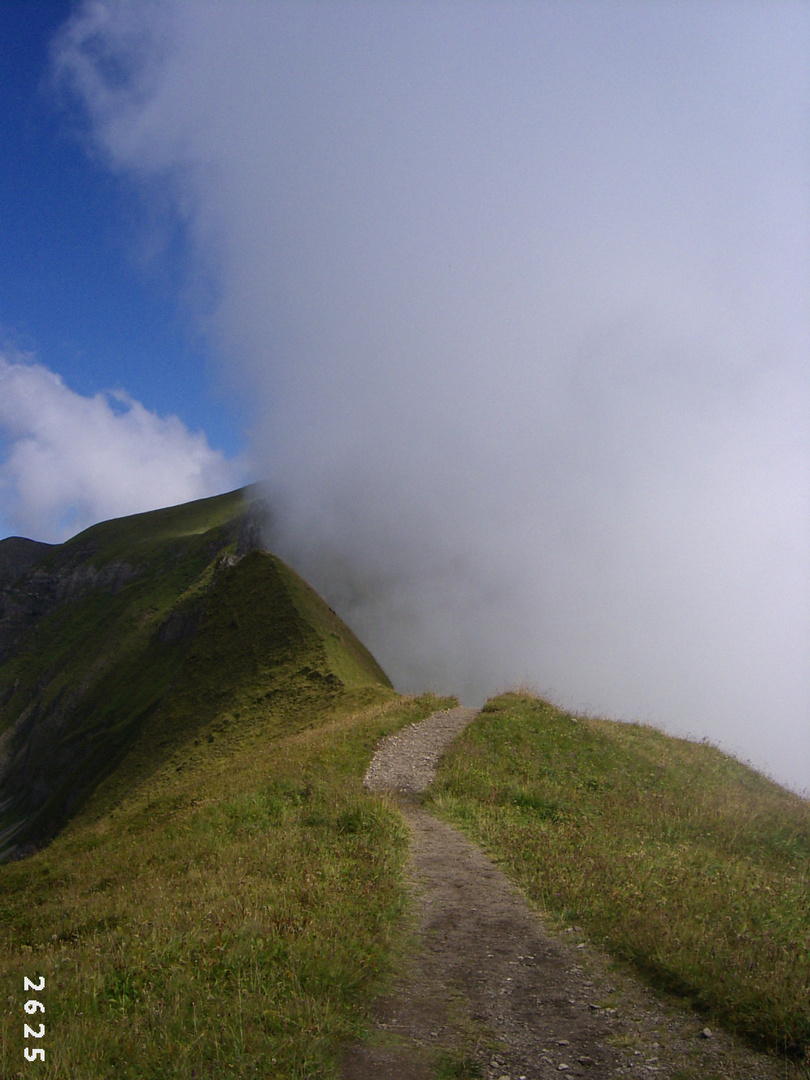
<point x="488" y="992"/>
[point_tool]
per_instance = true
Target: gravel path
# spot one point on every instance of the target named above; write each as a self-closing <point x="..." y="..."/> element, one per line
<point x="488" y="985"/>
<point x="405" y="763"/>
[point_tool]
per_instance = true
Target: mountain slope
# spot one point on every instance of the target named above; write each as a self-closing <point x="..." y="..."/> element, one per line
<point x="143" y="636"/>
<point x="669" y="854"/>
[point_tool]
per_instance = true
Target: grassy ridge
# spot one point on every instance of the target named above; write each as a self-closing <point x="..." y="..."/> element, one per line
<point x="89" y="673"/>
<point x="232" y="918"/>
<point x="169" y="555"/>
<point x="226" y="897"/>
<point x="144" y="535"/>
<point x="670" y="854"/>
<point x="190" y="646"/>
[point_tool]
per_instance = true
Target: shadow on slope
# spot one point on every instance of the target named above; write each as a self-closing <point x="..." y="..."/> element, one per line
<point x="148" y="634"/>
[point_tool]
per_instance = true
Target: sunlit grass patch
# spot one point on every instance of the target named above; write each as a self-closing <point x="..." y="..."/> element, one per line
<point x="668" y="853"/>
<point x="232" y="919"/>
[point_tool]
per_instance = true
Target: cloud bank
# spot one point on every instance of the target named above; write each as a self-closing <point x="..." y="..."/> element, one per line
<point x="516" y="296"/>
<point x="68" y="461"/>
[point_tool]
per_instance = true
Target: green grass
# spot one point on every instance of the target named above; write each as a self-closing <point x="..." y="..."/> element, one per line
<point x="233" y="918"/>
<point x="104" y="694"/>
<point x="226" y="899"/>
<point x="669" y="854"/>
<point x="172" y="557"/>
<point x="139" y="534"/>
<point x="222" y="897"/>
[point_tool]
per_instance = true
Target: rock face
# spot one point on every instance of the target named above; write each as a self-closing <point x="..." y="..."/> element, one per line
<point x="35" y="580"/>
<point x="30" y="592"/>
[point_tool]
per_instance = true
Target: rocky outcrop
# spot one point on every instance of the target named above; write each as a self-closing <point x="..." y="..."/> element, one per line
<point x="253" y="526"/>
<point x="36" y="589"/>
<point x="35" y="578"/>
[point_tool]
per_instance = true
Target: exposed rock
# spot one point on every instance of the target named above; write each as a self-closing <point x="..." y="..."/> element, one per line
<point x="252" y="530"/>
<point x="58" y="734"/>
<point x="37" y="589"/>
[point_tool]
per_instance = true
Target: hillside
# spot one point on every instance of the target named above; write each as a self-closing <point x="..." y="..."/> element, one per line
<point x="197" y="872"/>
<point x="668" y="854"/>
<point x="142" y="636"/>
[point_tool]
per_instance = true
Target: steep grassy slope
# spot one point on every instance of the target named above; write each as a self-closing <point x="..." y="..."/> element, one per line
<point x="233" y="917"/>
<point x="147" y="634"/>
<point x="191" y="722"/>
<point x="671" y="855"/>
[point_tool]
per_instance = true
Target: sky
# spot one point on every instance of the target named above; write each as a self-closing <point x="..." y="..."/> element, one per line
<point x="505" y="304"/>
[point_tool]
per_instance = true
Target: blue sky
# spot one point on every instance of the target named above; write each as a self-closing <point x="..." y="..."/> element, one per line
<point x="82" y="290"/>
<point x="505" y="304"/>
<point x="77" y="288"/>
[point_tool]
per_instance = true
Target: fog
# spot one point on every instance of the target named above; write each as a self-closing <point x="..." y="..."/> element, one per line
<point x="513" y="299"/>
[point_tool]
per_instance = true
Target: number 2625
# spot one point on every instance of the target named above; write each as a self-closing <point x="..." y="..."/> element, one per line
<point x="30" y="1007"/>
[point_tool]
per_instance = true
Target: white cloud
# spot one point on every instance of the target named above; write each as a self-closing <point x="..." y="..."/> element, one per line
<point x="519" y="295"/>
<point x="69" y="461"/>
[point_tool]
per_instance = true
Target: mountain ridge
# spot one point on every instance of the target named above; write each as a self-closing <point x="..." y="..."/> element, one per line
<point x="17" y="553"/>
<point x="109" y="639"/>
<point x="190" y="723"/>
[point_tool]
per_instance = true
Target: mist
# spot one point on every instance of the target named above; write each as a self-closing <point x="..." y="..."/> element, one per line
<point x="513" y="301"/>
